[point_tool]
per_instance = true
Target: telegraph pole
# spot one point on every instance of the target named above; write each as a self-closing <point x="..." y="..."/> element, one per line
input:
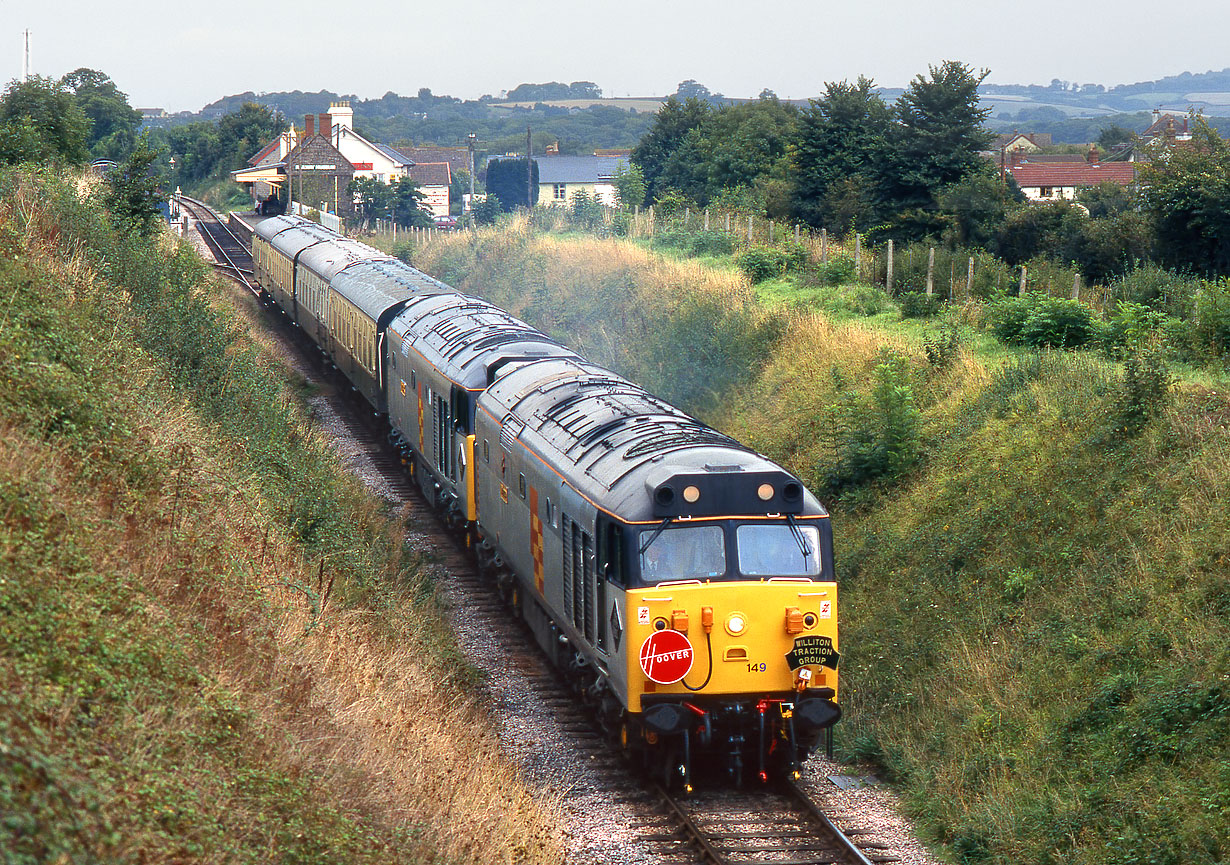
<point x="25" y="58"/>
<point x="529" y="170"/>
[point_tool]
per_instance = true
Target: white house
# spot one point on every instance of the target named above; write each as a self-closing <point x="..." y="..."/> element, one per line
<point x="560" y="178"/>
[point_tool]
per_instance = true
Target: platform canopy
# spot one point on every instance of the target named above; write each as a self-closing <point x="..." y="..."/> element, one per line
<point x="273" y="174"/>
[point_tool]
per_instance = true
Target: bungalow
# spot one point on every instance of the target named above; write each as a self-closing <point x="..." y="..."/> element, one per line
<point x="1057" y="181"/>
<point x="560" y="178"/>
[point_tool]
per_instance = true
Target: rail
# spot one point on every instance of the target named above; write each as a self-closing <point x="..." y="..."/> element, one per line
<point x="229" y="251"/>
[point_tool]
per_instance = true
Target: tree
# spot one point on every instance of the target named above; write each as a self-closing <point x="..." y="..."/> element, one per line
<point x="114" y="122"/>
<point x="843" y="138"/>
<point x="133" y="196"/>
<point x="1114" y="134"/>
<point x="629" y="185"/>
<point x="733" y="146"/>
<point x="976" y="206"/>
<point x="46" y="106"/>
<point x="506" y="181"/>
<point x="691" y="89"/>
<point x="1032" y="230"/>
<point x="400" y="200"/>
<point x="937" y="137"/>
<point x="1186" y="191"/>
<point x="20" y="142"/>
<point x="670" y="126"/>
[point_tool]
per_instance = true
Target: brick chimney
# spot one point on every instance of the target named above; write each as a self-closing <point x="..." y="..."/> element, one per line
<point x="326" y="127"/>
<point x="309" y="126"/>
<point x="1092" y="155"/>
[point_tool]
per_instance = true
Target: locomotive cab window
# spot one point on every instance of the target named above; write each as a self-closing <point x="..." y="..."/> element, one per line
<point x="776" y="550"/>
<point x="691" y="553"/>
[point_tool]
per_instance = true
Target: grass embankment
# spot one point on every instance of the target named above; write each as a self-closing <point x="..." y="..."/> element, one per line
<point x="1034" y="613"/>
<point x="213" y="645"/>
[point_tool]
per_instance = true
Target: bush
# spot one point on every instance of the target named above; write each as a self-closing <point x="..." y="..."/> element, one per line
<point x="838" y="270"/>
<point x="919" y="304"/>
<point x="711" y="243"/>
<point x="1158" y="288"/>
<point x="1040" y="321"/>
<point x="1211" y="322"/>
<point x="1131" y="326"/>
<point x="942" y="346"/>
<point x="760" y="262"/>
<point x="1058" y="322"/>
<point x="1143" y="392"/>
<point x="880" y="437"/>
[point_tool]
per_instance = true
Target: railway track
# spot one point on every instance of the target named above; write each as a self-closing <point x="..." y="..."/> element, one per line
<point x="231" y="255"/>
<point x="780" y="825"/>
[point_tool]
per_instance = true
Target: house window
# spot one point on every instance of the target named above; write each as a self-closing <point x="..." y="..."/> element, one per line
<point x="1046" y="192"/>
<point x="561" y="191"/>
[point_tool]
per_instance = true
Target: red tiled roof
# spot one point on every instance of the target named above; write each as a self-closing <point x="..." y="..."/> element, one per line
<point x="1073" y="174"/>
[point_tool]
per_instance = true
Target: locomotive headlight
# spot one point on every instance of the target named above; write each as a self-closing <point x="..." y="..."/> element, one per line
<point x="735" y="624"/>
<point x="765" y="492"/>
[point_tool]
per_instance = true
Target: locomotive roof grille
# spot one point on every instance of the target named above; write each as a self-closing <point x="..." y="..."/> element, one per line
<point x="685" y="437"/>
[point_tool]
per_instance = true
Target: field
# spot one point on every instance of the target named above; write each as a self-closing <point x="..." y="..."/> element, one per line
<point x="215" y="646"/>
<point x="1031" y="544"/>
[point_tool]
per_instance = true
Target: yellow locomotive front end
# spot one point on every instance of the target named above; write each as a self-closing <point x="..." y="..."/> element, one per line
<point x="732" y="645"/>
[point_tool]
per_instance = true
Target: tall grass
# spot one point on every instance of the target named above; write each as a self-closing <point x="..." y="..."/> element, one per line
<point x="214" y="646"/>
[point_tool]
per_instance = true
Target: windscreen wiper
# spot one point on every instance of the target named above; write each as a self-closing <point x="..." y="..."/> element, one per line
<point x="661" y="528"/>
<point x="798" y="537"/>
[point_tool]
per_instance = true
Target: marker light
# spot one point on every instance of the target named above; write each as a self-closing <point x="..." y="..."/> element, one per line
<point x="735" y="624"/>
<point x="691" y="494"/>
<point x="765" y="491"/>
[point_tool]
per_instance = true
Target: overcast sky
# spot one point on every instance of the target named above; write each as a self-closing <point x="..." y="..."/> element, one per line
<point x="183" y="55"/>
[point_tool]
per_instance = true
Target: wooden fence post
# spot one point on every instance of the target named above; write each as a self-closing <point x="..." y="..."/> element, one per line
<point x="969" y="278"/>
<point x="930" y="271"/>
<point x="796" y="232"/>
<point x="749" y="228"/>
<point x="706" y="219"/>
<point x="1020" y="292"/>
<point x="858" y="257"/>
<point x="728" y="222"/>
<point x="888" y="269"/>
<point x="824" y="245"/>
<point x="1076" y="286"/>
<point x="687" y="217"/>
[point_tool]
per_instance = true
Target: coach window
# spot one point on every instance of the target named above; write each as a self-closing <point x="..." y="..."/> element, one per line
<point x="486" y="452"/>
<point x="413" y="382"/>
<point x="521" y="485"/>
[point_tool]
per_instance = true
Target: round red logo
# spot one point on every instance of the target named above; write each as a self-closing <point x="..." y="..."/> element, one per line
<point x="666" y="657"/>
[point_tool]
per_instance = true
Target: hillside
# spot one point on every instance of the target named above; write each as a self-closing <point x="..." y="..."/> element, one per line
<point x="1033" y="612"/>
<point x="215" y="646"/>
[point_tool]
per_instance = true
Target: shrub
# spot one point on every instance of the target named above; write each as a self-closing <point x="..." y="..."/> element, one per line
<point x="1131" y="326"/>
<point x="880" y="437"/>
<point x="1040" y="321"/>
<point x="1143" y="392"/>
<point x="1211" y="322"/>
<point x="919" y="304"/>
<point x="1058" y="322"/>
<point x="1158" y="288"/>
<point x="711" y="243"/>
<point x="760" y="262"/>
<point x="403" y="250"/>
<point x="838" y="270"/>
<point x="942" y="346"/>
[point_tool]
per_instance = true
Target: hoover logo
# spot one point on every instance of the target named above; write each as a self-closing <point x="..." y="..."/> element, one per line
<point x="666" y="657"/>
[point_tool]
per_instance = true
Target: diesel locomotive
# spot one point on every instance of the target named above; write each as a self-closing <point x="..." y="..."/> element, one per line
<point x="682" y="582"/>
